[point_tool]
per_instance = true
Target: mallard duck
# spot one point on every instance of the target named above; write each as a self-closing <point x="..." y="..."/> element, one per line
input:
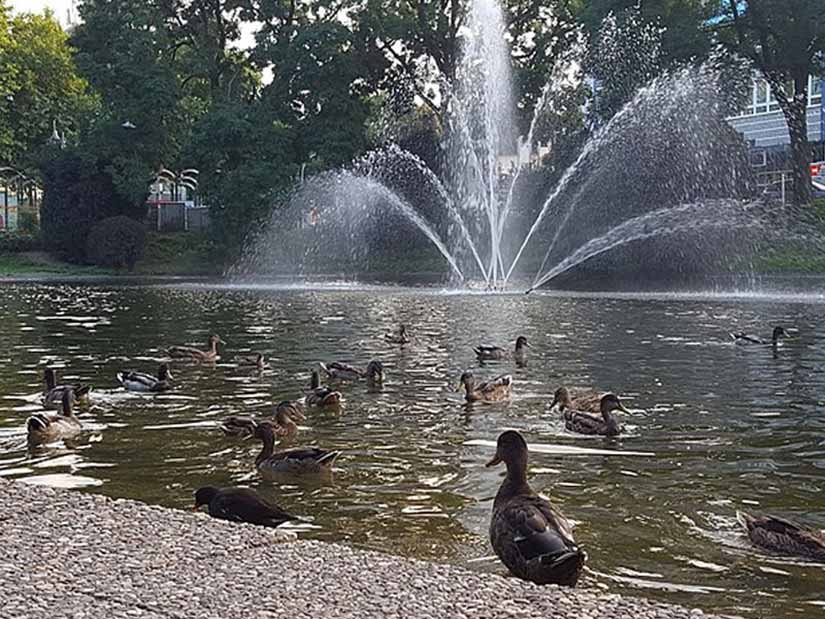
<point x="783" y="537"/>
<point x="53" y="395"/>
<point x="257" y="361"/>
<point x="300" y="461"/>
<point x="321" y="397"/>
<point x="745" y="338"/>
<point x="399" y="337"/>
<point x="586" y="423"/>
<point x="43" y="429"/>
<point x="491" y="391"/>
<point x="195" y="354"/>
<point x="588" y="401"/>
<point x="240" y="505"/>
<point x="286" y="413"/>
<point x="496" y="353"/>
<point x="531" y="537"/>
<point x="374" y="374"/>
<point x="146" y="383"/>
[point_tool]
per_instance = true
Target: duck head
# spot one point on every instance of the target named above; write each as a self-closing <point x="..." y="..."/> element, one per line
<point x="204" y="496"/>
<point x="315" y="381"/>
<point x="286" y="414"/>
<point x="778" y="333"/>
<point x="66" y="402"/>
<point x="561" y="398"/>
<point x="50" y="376"/>
<point x="610" y="402"/>
<point x="521" y="343"/>
<point x="214" y="340"/>
<point x="467" y="381"/>
<point x="164" y="373"/>
<point x="511" y="448"/>
<point x="375" y="371"/>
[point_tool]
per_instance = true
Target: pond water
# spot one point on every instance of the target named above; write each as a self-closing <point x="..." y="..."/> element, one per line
<point x="714" y="427"/>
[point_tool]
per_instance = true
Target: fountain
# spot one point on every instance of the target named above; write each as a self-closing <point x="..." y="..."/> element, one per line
<point x="664" y="167"/>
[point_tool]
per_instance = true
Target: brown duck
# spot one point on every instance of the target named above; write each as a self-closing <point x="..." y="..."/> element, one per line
<point x="53" y="394"/>
<point x="486" y="352"/>
<point x="321" y="397"/>
<point x="531" y="537"/>
<point x="587" y="401"/>
<point x="195" y="354"/>
<point x="581" y="422"/>
<point x="42" y="428"/>
<point x="300" y="461"/>
<point x="494" y="390"/>
<point x="783" y="536"/>
<point x="286" y="413"/>
<point x="240" y="505"/>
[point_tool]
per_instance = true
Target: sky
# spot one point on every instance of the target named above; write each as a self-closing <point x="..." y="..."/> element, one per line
<point x="59" y="7"/>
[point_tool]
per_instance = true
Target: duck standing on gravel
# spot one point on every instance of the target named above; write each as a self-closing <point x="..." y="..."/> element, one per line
<point x="531" y="537"/>
<point x="42" y="428"/>
<point x="240" y="505"/>
<point x="744" y="339"/>
<point x="486" y="352"/>
<point x="582" y="422"/>
<point x="299" y="461"/>
<point x="195" y="354"/>
<point x="53" y="395"/>
<point x="783" y="536"/>
<point x="494" y="390"/>
<point x="146" y="383"/>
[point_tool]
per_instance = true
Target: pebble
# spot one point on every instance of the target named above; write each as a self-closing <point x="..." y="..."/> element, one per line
<point x="73" y="554"/>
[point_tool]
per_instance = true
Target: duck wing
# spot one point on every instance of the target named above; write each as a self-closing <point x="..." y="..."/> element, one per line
<point x="181" y="352"/>
<point x="137" y="381"/>
<point x="338" y="370"/>
<point x="584" y="423"/>
<point x="503" y="382"/>
<point x="238" y="426"/>
<point x="783" y="536"/>
<point x="744" y="338"/>
<point x="589" y="401"/>
<point x="243" y="505"/>
<point x="486" y="351"/>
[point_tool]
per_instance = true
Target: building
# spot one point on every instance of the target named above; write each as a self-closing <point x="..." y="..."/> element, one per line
<point x="762" y="123"/>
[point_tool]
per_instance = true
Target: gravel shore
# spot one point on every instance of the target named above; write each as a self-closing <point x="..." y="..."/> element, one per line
<point x="71" y="554"/>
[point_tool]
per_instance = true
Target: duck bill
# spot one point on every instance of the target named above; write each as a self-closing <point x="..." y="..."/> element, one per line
<point x="495" y="460"/>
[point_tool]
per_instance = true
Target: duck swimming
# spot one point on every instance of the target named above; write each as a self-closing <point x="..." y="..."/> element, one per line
<point x="146" y="383"/>
<point x="240" y="505"/>
<point x="585" y="423"/>
<point x="531" y="537"/>
<point x="783" y="536"/>
<point x="194" y="354"/>
<point x="321" y="397"/>
<point x="286" y="413"/>
<point x="494" y="390"/>
<point x="53" y="394"/>
<point x="400" y="337"/>
<point x="745" y="339"/>
<point x="496" y="353"/>
<point x="374" y="374"/>
<point x="300" y="461"/>
<point x="42" y="429"/>
<point x="257" y="361"/>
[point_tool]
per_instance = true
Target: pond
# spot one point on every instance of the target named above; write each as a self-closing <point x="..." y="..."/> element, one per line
<point x="714" y="427"/>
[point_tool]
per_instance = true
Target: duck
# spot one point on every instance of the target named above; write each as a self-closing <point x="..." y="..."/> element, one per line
<point x="374" y="374"/>
<point x="582" y="422"/>
<point x="496" y="353"/>
<point x="587" y="401"/>
<point x="321" y="397"/>
<point x="783" y="536"/>
<point x="286" y="413"/>
<point x="42" y="429"/>
<point x="529" y="535"/>
<point x="240" y="505"/>
<point x="146" y="383"/>
<point x="494" y="390"/>
<point x="53" y="394"/>
<point x="257" y="361"/>
<point x="195" y="354"/>
<point x="746" y="339"/>
<point x="299" y="461"/>
<point x="399" y="337"/>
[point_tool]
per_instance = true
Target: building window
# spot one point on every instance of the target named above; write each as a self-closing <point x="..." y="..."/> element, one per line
<point x="815" y="90"/>
<point x="761" y="97"/>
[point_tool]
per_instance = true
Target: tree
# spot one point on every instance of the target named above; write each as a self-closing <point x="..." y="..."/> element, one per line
<point x="785" y="40"/>
<point x="39" y="86"/>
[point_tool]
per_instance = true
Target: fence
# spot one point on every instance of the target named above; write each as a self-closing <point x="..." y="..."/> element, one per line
<point x="177" y="217"/>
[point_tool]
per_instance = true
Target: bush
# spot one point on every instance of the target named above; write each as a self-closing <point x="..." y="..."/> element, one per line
<point x="116" y="242"/>
<point x="13" y="242"/>
<point x="27" y="223"/>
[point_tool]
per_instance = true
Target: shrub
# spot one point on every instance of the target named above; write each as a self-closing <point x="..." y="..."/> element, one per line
<point x="116" y="242"/>
<point x="12" y="243"/>
<point x="27" y="223"/>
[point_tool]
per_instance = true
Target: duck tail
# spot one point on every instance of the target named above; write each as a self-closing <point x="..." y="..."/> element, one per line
<point x="121" y="377"/>
<point x="36" y="423"/>
<point x="324" y="368"/>
<point x="745" y="519"/>
<point x="328" y="459"/>
<point x="82" y="390"/>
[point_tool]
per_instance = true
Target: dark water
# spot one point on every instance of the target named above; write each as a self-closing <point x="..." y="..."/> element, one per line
<point x="725" y="428"/>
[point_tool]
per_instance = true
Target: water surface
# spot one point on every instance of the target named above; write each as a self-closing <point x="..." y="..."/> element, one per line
<point x="715" y="427"/>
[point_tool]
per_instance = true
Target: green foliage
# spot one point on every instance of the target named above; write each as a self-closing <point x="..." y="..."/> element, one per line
<point x="116" y="242"/>
<point x="27" y="222"/>
<point x="16" y="242"/>
<point x="39" y="86"/>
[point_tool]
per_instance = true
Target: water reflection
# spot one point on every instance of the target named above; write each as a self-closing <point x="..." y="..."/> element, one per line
<point x="714" y="427"/>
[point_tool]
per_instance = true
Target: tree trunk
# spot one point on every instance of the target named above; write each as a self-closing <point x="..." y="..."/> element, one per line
<point x="795" y="109"/>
